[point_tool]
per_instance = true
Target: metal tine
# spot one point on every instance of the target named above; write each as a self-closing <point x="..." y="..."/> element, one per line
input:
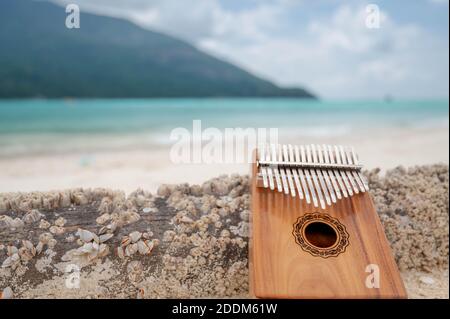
<point x="361" y="176"/>
<point x="301" y="174"/>
<point x="314" y="178"/>
<point x="355" y="174"/>
<point x="282" y="171"/>
<point x="337" y="156"/>
<point x="326" y="157"/>
<point x="290" y="152"/>
<point x="319" y="173"/>
<point x="337" y="173"/>
<point x="288" y="171"/>
<point x="269" y="168"/>
<point x="349" y="175"/>
<point x="275" y="168"/>
<point x="326" y="177"/>
<point x="262" y="157"/>
<point x="308" y="177"/>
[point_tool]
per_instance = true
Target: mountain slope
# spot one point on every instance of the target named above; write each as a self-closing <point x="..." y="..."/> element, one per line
<point x="109" y="57"/>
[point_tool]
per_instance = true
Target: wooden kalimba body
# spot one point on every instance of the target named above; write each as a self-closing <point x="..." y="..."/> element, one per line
<point x="315" y="231"/>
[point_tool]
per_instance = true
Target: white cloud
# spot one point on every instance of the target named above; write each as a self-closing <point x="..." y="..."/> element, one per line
<point x="334" y="54"/>
<point x="339" y="57"/>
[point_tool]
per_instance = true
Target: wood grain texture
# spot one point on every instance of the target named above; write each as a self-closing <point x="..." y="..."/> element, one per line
<point x="280" y="268"/>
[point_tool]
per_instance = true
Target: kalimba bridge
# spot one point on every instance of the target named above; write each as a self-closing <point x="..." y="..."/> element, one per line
<point x="321" y="174"/>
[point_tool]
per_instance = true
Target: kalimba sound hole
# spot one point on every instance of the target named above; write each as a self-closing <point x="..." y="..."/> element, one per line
<point x="320" y="234"/>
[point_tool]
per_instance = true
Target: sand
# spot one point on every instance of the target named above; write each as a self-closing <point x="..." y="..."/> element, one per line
<point x="198" y="236"/>
<point x="149" y="166"/>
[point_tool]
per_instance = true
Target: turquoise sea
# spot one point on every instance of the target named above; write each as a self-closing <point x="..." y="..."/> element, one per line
<point x="42" y="126"/>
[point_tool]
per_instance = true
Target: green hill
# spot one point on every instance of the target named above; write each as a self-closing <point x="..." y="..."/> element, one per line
<point x="109" y="57"/>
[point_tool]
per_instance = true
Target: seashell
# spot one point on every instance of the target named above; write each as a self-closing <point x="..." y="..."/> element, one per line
<point x="120" y="253"/>
<point x="135" y="236"/>
<point x="105" y="205"/>
<point x="89" y="256"/>
<point x="11" y="261"/>
<point x="105" y="237"/>
<point x="7" y="293"/>
<point x="168" y="235"/>
<point x="96" y="239"/>
<point x="4" y="205"/>
<point x="147" y="210"/>
<point x="103" y="218"/>
<point x="85" y="235"/>
<point x="33" y="216"/>
<point x="25" y="205"/>
<point x="134" y="247"/>
<point x="44" y="224"/>
<point x="102" y="230"/>
<point x="84" y="254"/>
<point x="103" y="250"/>
<point x="33" y="251"/>
<point x="142" y="248"/>
<point x="145" y="247"/>
<point x="52" y="243"/>
<point x="130" y="250"/>
<point x="60" y="222"/>
<point x="6" y="220"/>
<point x="57" y="230"/>
<point x="71" y="255"/>
<point x="7" y="262"/>
<point x="79" y="198"/>
<point x="112" y="227"/>
<point x="39" y="247"/>
<point x="146" y="235"/>
<point x="126" y="240"/>
<point x="140" y="200"/>
<point x="17" y="223"/>
<point x="25" y="255"/>
<point x="70" y="239"/>
<point x="225" y="233"/>
<point x="87" y="248"/>
<point x="45" y="238"/>
<point x="109" y="228"/>
<point x="129" y="217"/>
<point x="64" y="199"/>
<point x="11" y="250"/>
<point x="27" y="244"/>
<point x="186" y="220"/>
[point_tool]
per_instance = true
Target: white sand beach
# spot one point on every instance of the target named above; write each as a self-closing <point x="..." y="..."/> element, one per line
<point x="148" y="167"/>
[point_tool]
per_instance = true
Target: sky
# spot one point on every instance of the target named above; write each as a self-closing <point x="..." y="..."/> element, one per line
<point x="325" y="46"/>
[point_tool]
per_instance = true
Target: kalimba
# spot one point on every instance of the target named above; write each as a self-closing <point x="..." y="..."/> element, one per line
<point x="315" y="231"/>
